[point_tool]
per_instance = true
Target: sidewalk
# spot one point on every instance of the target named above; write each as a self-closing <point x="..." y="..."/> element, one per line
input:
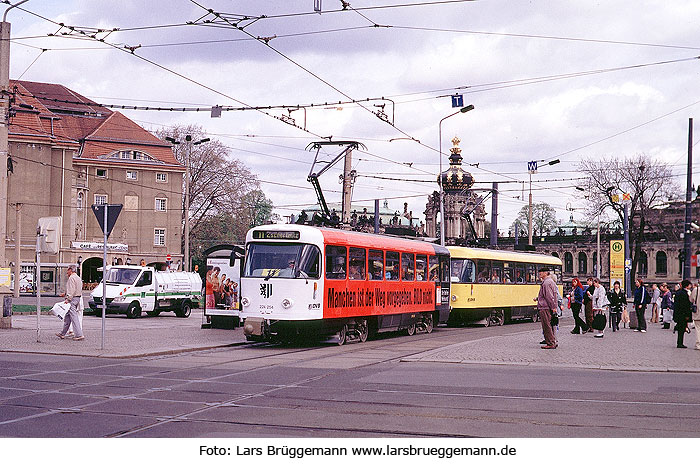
<point x="625" y="350"/>
<point x="124" y="338"/>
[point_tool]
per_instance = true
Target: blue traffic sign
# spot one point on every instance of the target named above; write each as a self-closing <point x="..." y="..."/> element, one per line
<point x="457" y="100"/>
<point x="532" y="167"/>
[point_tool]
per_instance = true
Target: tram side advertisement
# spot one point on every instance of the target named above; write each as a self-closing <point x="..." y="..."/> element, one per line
<point x="222" y="286"/>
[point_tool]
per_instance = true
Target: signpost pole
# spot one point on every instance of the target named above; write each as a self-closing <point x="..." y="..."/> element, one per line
<point x="37" y="283"/>
<point x="104" y="279"/>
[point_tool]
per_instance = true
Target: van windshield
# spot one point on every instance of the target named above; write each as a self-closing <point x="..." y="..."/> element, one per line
<point x="282" y="261"/>
<point x="122" y="275"/>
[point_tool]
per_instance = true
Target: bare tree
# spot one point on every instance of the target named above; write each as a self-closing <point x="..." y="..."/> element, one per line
<point x="649" y="182"/>
<point x="544" y="218"/>
<point x="219" y="189"/>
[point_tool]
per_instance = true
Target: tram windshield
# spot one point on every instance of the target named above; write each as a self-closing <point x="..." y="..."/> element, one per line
<point x="282" y="261"/>
<point x="463" y="271"/>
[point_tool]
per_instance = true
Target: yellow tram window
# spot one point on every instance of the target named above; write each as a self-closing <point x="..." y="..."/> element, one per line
<point x="520" y="273"/>
<point x="508" y="272"/>
<point x="483" y="268"/>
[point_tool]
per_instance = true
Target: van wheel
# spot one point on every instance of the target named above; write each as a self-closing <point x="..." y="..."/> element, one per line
<point x="134" y="310"/>
<point x="184" y="311"/>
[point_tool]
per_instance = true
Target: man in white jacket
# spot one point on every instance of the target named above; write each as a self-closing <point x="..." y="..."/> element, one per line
<point x="600" y="301"/>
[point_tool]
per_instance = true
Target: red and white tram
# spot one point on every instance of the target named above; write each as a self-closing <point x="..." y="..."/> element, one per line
<point x="316" y="282"/>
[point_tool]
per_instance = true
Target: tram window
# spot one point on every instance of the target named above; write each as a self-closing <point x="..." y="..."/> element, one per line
<point x="483" y="269"/>
<point x="434" y="268"/>
<point x="376" y="265"/>
<point x="421" y="268"/>
<point x="282" y="261"/>
<point x="456" y="268"/>
<point x="335" y="262"/>
<point x="392" y="266"/>
<point x="520" y="273"/>
<point x="463" y="270"/>
<point x="531" y="273"/>
<point x="357" y="263"/>
<point x="496" y="272"/>
<point x="407" y="266"/>
<point x="444" y="268"/>
<point x="508" y="273"/>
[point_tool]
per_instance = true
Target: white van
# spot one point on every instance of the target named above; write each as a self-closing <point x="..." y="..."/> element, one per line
<point x="135" y="289"/>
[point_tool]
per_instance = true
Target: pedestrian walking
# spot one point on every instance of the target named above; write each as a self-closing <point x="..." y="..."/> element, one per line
<point x="74" y="292"/>
<point x="599" y="302"/>
<point x="547" y="306"/>
<point x="588" y="303"/>
<point x="695" y="304"/>
<point x="618" y="302"/>
<point x="576" y="297"/>
<point x="642" y="298"/>
<point x="682" y="312"/>
<point x="666" y="306"/>
<point x="655" y="303"/>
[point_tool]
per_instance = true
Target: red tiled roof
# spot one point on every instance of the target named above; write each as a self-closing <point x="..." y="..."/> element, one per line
<point x="78" y="119"/>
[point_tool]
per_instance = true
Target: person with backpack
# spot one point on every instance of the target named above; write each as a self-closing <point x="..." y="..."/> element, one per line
<point x="666" y="306"/>
<point x="642" y="298"/>
<point x="618" y="301"/>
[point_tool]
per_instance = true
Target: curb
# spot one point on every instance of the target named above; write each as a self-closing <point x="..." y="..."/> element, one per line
<point x="130" y="356"/>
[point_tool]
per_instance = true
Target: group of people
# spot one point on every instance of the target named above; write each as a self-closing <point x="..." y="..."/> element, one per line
<point x="220" y="290"/>
<point x="680" y="307"/>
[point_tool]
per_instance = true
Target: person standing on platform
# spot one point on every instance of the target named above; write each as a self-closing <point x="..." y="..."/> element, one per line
<point x="695" y="305"/>
<point x="600" y="301"/>
<point x="618" y="301"/>
<point x="576" y="304"/>
<point x="588" y="303"/>
<point x="682" y="312"/>
<point x="74" y="292"/>
<point x="642" y="298"/>
<point x="547" y="306"/>
<point x="655" y="303"/>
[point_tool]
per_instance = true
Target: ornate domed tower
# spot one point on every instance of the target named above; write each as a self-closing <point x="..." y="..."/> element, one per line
<point x="459" y="201"/>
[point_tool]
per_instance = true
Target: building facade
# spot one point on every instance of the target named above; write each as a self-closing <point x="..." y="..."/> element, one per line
<point x="69" y="153"/>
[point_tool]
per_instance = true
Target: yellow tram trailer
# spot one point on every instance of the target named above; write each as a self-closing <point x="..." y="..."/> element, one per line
<point x="496" y="286"/>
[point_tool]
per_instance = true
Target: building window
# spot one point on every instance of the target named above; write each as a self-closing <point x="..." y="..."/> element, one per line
<point x="568" y="263"/>
<point x="101" y="172"/>
<point x="661" y="263"/>
<point x="131" y="202"/>
<point x="595" y="263"/>
<point x="161" y="177"/>
<point x="643" y="264"/>
<point x="159" y="236"/>
<point x="100" y="199"/>
<point x="79" y="201"/>
<point x="582" y="263"/>
<point x="161" y="205"/>
<point x="132" y="175"/>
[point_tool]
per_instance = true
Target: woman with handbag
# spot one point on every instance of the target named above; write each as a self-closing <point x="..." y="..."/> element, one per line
<point x="599" y="301"/>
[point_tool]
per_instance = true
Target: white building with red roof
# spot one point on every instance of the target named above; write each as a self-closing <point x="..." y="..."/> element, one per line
<point x="69" y="153"/>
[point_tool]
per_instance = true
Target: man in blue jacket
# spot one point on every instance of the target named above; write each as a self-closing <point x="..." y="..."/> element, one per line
<point x="641" y="300"/>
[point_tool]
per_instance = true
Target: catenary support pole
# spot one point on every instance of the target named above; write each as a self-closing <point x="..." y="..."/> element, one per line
<point x="494" y="214"/>
<point x="18" y="246"/>
<point x="37" y="283"/>
<point x="688" y="234"/>
<point x="628" y="277"/>
<point x="376" y="216"/>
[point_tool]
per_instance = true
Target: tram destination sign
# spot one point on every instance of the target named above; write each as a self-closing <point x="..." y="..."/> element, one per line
<point x="277" y="235"/>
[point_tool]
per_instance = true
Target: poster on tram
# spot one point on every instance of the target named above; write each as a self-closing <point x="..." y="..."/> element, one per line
<point x="222" y="287"/>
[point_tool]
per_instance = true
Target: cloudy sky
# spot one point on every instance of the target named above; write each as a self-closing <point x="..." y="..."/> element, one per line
<point x="548" y="79"/>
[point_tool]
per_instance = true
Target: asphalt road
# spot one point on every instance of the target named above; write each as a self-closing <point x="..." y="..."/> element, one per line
<point x="357" y="390"/>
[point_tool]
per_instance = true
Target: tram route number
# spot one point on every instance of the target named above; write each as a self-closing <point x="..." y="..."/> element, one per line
<point x="378" y="298"/>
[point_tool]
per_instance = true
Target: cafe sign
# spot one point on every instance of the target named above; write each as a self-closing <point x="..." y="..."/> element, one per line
<point x="99" y="246"/>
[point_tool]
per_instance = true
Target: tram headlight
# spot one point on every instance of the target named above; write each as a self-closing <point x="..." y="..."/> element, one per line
<point x="287" y="303"/>
<point x="245" y="301"/>
<point x="454" y="298"/>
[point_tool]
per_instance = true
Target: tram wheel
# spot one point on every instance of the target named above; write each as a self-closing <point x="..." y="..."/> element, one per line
<point x="362" y="330"/>
<point x="428" y="322"/>
<point x="342" y="335"/>
<point x="411" y="330"/>
<point x="495" y="318"/>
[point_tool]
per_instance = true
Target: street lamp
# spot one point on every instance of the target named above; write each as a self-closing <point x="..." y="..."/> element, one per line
<point x="529" y="215"/>
<point x="188" y="139"/>
<point x="442" y="195"/>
